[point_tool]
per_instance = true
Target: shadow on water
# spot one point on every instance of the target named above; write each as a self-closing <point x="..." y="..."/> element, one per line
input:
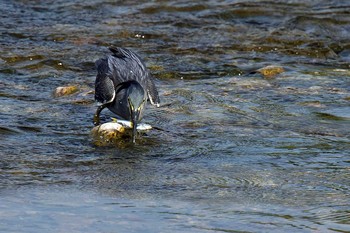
<point x="253" y="132"/>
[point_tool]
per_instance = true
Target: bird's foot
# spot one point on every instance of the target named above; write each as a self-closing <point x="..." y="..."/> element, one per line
<point x="96" y="120"/>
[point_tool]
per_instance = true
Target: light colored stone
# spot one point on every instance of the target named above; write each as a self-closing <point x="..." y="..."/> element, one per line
<point x="67" y="90"/>
<point x="115" y="132"/>
<point x="271" y="71"/>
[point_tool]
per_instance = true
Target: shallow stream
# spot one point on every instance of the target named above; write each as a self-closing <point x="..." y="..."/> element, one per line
<point x="240" y="151"/>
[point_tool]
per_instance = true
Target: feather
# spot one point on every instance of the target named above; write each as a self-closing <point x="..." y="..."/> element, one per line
<point x="122" y="66"/>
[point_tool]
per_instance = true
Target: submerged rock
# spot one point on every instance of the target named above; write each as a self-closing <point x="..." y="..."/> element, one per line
<point x="115" y="132"/>
<point x="108" y="131"/>
<point x="67" y="90"/>
<point x="271" y="71"/>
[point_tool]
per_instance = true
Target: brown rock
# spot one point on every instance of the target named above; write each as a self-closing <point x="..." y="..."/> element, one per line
<point x="108" y="134"/>
<point x="271" y="71"/>
<point x="115" y="133"/>
<point x="67" y="90"/>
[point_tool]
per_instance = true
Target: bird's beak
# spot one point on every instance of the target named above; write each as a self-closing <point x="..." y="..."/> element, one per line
<point x="134" y="117"/>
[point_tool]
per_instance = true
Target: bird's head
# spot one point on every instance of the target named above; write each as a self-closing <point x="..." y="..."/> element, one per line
<point x="136" y="101"/>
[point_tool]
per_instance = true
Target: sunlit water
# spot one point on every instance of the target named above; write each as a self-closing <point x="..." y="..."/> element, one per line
<point x="237" y="151"/>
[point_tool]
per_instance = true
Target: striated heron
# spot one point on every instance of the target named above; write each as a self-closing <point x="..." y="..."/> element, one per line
<point x="123" y="85"/>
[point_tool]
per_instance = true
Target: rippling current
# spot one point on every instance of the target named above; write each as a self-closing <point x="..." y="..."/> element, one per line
<point x="239" y="150"/>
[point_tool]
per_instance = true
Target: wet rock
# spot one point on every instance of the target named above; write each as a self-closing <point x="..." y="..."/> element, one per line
<point x="271" y="71"/>
<point x="115" y="132"/>
<point x="167" y="75"/>
<point x="155" y="68"/>
<point x="108" y="131"/>
<point x="67" y="90"/>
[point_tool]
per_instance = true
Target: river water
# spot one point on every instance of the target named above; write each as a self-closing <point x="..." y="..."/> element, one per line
<point x="238" y="151"/>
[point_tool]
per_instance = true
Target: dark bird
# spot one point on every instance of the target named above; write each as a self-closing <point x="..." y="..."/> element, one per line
<point x="123" y="85"/>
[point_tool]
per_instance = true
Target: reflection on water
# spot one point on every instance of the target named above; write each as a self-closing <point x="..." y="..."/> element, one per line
<point x="238" y="150"/>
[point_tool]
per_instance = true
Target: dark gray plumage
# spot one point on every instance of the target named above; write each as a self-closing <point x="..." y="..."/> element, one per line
<point x="123" y="85"/>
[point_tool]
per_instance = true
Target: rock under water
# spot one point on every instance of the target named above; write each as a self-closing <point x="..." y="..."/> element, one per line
<point x="115" y="132"/>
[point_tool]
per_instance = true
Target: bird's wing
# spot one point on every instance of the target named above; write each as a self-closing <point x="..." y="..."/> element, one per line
<point x="104" y="87"/>
<point x="126" y="54"/>
<point x="127" y="65"/>
<point x="129" y="61"/>
<point x="152" y="92"/>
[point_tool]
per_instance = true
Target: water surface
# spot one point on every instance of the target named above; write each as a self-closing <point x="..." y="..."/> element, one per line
<point x="238" y="151"/>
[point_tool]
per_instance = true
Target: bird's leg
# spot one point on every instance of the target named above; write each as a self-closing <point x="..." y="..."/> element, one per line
<point x="97" y="114"/>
